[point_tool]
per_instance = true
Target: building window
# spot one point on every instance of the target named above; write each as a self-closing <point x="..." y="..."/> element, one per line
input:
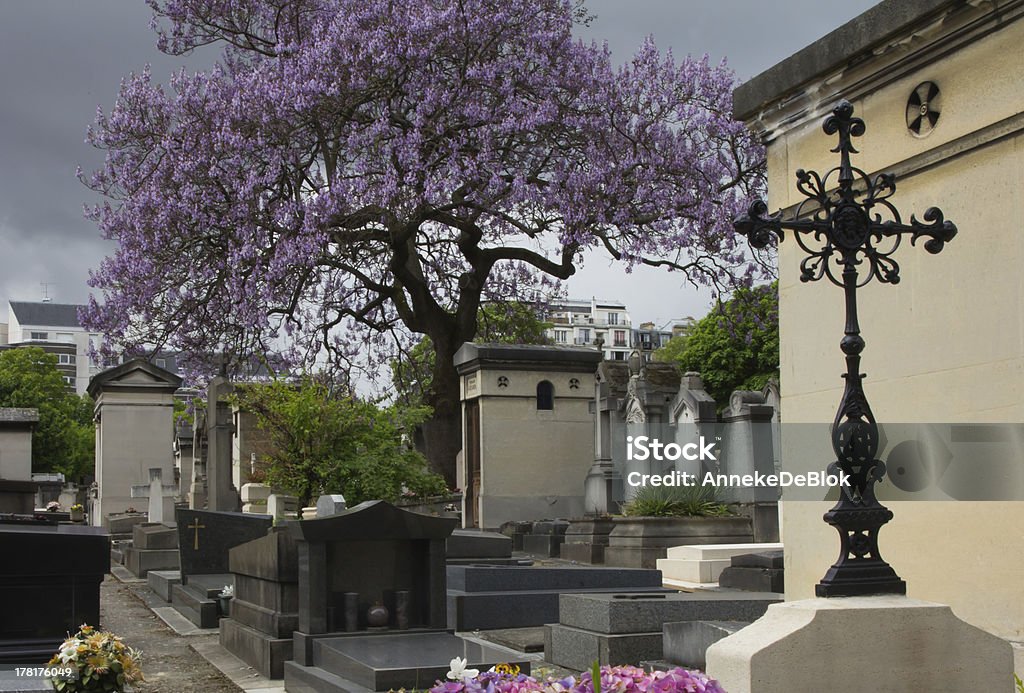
<point x="613" y="318"/>
<point x="561" y="336"/>
<point x="161" y="363"/>
<point x="66" y="359"/>
<point x="584" y="336"/>
<point x="68" y="380"/>
<point x="620" y="338"/>
<point x="39" y="336"/>
<point x="545" y="396"/>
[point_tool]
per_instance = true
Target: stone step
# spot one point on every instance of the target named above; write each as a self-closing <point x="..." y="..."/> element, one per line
<point x="686" y="642"/>
<point x="648" y="612"/>
<point x="301" y="679"/>
<point x="194" y="605"/>
<point x="692" y="569"/>
<point x="261" y="651"/>
<point x="707" y="552"/>
<point x="161" y="582"/>
<point x="511" y="609"/>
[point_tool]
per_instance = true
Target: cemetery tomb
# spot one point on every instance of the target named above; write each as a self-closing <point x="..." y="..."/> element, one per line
<point x="488" y="597"/>
<point x="539" y="397"/>
<point x="628" y="628"/>
<point x="49" y="585"/>
<point x="371" y="603"/>
<point x="470" y="546"/>
<point x="701" y="564"/>
<point x="755" y="572"/>
<point x="264" y="610"/>
<point x="638" y="542"/>
<point x="204" y="540"/>
<point x="134" y="412"/>
<point x="546" y="538"/>
<point x="585" y="540"/>
<point x="154" y="547"/>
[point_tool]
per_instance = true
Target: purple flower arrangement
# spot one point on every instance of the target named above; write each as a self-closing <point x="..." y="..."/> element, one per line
<point x="622" y="679"/>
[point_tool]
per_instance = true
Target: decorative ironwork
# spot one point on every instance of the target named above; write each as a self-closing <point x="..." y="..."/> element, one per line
<point x="850" y="231"/>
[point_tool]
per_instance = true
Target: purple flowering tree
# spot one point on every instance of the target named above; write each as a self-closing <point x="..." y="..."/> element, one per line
<point x="351" y="173"/>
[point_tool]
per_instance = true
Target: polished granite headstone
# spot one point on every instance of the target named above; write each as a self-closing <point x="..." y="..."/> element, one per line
<point x="49" y="584"/>
<point x="369" y="572"/>
<point x="204" y="539"/>
<point x="264" y="611"/>
<point x="206" y="536"/>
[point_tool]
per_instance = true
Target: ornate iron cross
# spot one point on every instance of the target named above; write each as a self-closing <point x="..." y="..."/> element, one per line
<point x="841" y="228"/>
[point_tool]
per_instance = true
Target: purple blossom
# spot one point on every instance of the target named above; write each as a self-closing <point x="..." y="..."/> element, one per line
<point x="352" y="172"/>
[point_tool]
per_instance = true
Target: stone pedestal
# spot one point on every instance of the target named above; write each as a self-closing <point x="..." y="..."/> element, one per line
<point x="254" y="498"/>
<point x="891" y="643"/>
<point x="154" y="547"/>
<point x="585" y="540"/>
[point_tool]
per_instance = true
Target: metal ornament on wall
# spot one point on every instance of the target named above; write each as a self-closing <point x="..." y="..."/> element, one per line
<point x="923" y="108"/>
<point x="849" y="231"/>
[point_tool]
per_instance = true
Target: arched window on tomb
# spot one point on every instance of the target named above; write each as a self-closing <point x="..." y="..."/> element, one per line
<point x="545" y="396"/>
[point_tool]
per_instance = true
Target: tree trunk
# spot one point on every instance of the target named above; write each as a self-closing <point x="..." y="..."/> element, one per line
<point x="442" y="433"/>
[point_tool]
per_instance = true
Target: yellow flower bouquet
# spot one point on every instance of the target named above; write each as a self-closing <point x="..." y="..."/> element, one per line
<point x="97" y="660"/>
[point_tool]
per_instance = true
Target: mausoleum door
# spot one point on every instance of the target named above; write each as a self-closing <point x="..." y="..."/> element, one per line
<point x="472" y="458"/>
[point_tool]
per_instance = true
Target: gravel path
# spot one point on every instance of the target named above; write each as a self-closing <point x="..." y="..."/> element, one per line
<point x="167" y="662"/>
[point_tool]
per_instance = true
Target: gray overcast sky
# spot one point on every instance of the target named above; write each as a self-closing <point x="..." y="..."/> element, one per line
<point x="61" y="59"/>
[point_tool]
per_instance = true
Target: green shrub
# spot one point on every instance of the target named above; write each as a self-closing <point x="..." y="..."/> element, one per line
<point x="675" y="501"/>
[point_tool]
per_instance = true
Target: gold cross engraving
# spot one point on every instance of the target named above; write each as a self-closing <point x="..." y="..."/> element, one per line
<point x="196" y="526"/>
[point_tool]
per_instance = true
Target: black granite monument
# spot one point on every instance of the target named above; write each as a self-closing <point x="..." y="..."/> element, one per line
<point x="204" y="539"/>
<point x="371" y="586"/>
<point x="265" y="608"/>
<point x="49" y="585"/>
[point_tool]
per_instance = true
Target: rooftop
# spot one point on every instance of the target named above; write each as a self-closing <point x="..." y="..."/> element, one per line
<point x="48" y="314"/>
<point x="848" y="44"/>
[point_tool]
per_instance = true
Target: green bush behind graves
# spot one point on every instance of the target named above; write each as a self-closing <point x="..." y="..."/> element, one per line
<point x="64" y="439"/>
<point x="675" y="501"/>
<point x="735" y="346"/>
<point x="324" y="439"/>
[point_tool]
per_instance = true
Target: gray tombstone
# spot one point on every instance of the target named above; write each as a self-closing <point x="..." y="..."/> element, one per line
<point x="330" y="505"/>
<point x="221" y="493"/>
<point x="156" y="491"/>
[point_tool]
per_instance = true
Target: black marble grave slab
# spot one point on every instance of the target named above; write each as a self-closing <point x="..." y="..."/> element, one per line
<point x="394" y="661"/>
<point x="206" y="536"/>
<point x="49" y="584"/>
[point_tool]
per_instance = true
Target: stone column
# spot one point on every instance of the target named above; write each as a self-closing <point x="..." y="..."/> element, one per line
<point x="221" y="493"/>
